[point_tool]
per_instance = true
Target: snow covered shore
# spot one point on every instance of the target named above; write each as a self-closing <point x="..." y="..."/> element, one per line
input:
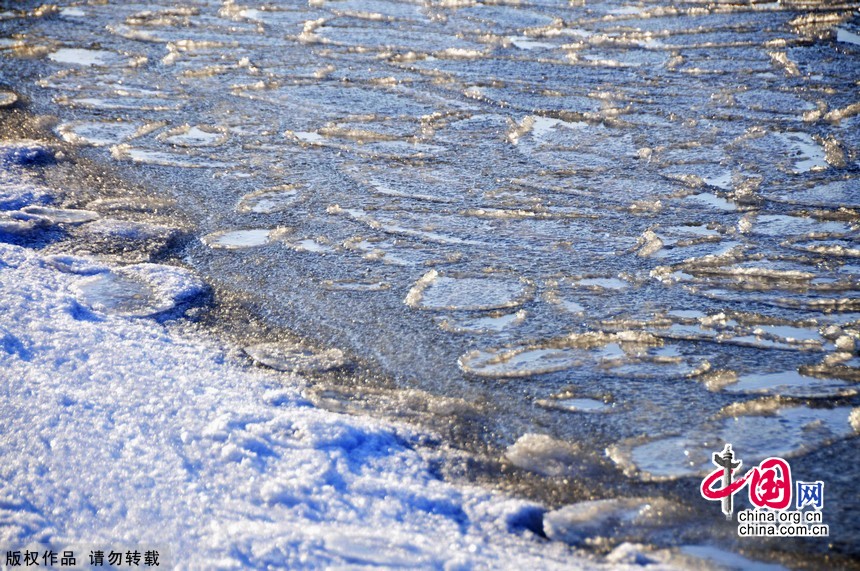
<point x="118" y="432"/>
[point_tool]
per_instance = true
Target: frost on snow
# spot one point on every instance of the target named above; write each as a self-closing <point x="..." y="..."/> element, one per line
<point x="119" y="431"/>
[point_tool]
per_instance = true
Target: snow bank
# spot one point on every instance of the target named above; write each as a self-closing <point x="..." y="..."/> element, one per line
<point x="117" y="431"/>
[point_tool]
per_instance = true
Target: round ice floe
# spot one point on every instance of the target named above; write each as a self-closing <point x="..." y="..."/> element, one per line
<point x="826" y="244"/>
<point x="572" y="404"/>
<point x="356" y="285"/>
<point x="522" y="361"/>
<point x="7" y="98"/>
<point x="547" y="456"/>
<point x="269" y="200"/>
<point x="791" y="384"/>
<point x="492" y="291"/>
<point x="25" y="153"/>
<point x="238" y="239"/>
<point x="643" y="363"/>
<point x="755" y="433"/>
<point x="295" y="358"/>
<point x="141" y="290"/>
<point x="493" y="322"/>
<point x="80" y="56"/>
<point x="621" y="519"/>
<point x="167" y="159"/>
<point x="195" y="136"/>
<point x="97" y="133"/>
<point x="61" y="215"/>
<point x="595" y="347"/>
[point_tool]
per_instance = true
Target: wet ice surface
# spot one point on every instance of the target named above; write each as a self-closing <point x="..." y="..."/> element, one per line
<point x="497" y="202"/>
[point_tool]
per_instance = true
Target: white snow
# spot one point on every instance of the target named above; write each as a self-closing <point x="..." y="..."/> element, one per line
<point x="120" y="431"/>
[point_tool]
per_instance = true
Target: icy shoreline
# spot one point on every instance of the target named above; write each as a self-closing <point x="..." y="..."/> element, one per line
<point x="125" y="430"/>
<point x="119" y="431"/>
<point x="122" y="432"/>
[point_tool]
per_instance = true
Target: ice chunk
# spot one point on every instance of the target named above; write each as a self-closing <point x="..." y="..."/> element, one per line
<point x="547" y="456"/>
<point x="19" y="224"/>
<point x="80" y="56"/>
<point x="97" y="133"/>
<point x="195" y="136"/>
<point x="147" y="205"/>
<point x="490" y="323"/>
<point x="61" y="215"/>
<point x="296" y="358"/>
<point x="756" y="432"/>
<point x="782" y="225"/>
<point x="72" y="12"/>
<point x="75" y="265"/>
<point x="522" y="361"/>
<point x="609" y="349"/>
<point x="827" y="244"/>
<point x="839" y="192"/>
<point x="848" y="37"/>
<point x="713" y="201"/>
<point x="790" y="384"/>
<point x="617" y="519"/>
<point x="603" y="283"/>
<point x="141" y="290"/>
<point x="181" y="160"/>
<point x="238" y="239"/>
<point x="726" y="560"/>
<point x="808" y="155"/>
<point x="650" y="244"/>
<point x="527" y="43"/>
<point x="310" y="245"/>
<point x="631" y="554"/>
<point x="573" y="404"/>
<point x="437" y="292"/>
<point x="356" y="285"/>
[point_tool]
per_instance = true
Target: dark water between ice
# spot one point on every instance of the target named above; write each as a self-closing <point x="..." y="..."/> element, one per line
<point x="630" y="227"/>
